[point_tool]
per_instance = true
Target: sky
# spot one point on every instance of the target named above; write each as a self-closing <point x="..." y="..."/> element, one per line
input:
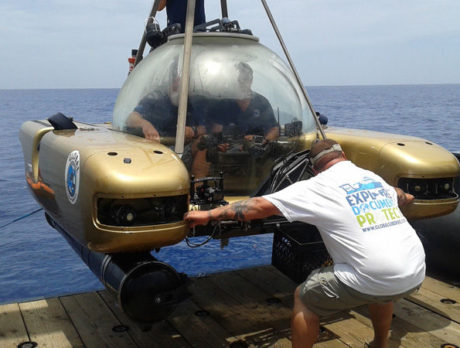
<point x="86" y="43"/>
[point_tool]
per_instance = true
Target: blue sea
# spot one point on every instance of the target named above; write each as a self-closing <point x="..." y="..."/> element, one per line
<point x="36" y="262"/>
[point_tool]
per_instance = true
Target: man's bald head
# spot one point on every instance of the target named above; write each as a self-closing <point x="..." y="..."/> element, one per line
<point x="324" y="151"/>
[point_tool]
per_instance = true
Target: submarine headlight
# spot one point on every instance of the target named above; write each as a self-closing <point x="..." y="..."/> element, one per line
<point x="124" y="215"/>
<point x="130" y="217"/>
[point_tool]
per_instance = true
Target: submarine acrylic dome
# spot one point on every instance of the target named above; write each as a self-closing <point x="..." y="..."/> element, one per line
<point x="216" y="74"/>
<point x="242" y="96"/>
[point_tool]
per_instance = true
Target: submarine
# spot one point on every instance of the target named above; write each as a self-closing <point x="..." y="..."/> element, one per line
<point x="208" y="117"/>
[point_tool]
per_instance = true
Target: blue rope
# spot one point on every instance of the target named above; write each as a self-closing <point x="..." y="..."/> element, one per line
<point x="22" y="217"/>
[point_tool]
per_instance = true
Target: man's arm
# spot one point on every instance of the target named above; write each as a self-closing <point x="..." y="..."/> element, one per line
<point x="273" y="134"/>
<point x="250" y="209"/>
<point x="403" y="197"/>
<point x="161" y="5"/>
<point x="136" y="120"/>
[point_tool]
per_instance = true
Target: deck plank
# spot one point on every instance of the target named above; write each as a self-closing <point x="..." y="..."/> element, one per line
<point x="94" y="321"/>
<point x="12" y="327"/>
<point x="441" y="288"/>
<point x="199" y="330"/>
<point x="259" y="308"/>
<point x="257" y="300"/>
<point x="428" y="321"/>
<point x="231" y="301"/>
<point x="431" y="295"/>
<point x="269" y="278"/>
<point x="350" y="331"/>
<point x="161" y="334"/>
<point x="48" y="324"/>
<point x="264" y="338"/>
<point x="403" y="334"/>
<point x="222" y="307"/>
<point x="432" y="301"/>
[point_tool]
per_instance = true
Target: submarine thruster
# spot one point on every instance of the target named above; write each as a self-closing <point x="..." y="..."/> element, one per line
<point x="145" y="288"/>
<point x="207" y="117"/>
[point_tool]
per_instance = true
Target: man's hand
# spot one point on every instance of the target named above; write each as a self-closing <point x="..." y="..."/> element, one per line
<point x="136" y="120"/>
<point x="223" y="147"/>
<point x="195" y="217"/>
<point x="194" y="133"/>
<point x="150" y="131"/>
<point x="403" y="198"/>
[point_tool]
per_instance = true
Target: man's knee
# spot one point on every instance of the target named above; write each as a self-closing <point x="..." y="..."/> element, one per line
<point x="297" y="300"/>
<point x="301" y="310"/>
<point x="297" y="292"/>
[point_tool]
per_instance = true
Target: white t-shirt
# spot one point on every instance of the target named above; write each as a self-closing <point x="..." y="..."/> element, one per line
<point x="374" y="248"/>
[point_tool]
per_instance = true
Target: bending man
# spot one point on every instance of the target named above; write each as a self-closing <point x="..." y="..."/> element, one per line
<point x="377" y="255"/>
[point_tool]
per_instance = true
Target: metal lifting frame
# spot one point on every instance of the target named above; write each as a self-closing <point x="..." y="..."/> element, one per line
<point x="140" y="51"/>
<point x="185" y="80"/>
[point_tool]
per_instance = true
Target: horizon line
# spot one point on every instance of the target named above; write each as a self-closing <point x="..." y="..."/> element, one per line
<point x="306" y="86"/>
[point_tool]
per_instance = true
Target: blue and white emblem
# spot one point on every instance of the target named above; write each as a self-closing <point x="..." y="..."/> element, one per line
<point x="72" y="176"/>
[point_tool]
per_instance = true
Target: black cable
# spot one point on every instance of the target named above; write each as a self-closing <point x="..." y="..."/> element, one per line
<point x="193" y="245"/>
<point x="22" y="217"/>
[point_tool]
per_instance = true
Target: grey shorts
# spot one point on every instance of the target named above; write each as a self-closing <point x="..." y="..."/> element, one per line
<point x="324" y="294"/>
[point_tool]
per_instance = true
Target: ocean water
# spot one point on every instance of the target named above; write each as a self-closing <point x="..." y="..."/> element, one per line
<point x="36" y="262"/>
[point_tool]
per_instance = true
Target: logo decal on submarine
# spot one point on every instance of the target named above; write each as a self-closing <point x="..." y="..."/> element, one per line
<point x="72" y="176"/>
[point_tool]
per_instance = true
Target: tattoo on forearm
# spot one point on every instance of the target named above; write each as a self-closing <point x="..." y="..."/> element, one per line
<point x="238" y="211"/>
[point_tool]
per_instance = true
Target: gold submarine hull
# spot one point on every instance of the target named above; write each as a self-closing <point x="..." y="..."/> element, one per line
<point x="119" y="168"/>
<point x="113" y="166"/>
<point x="398" y="158"/>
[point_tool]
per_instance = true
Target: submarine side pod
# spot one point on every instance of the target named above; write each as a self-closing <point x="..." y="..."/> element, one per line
<point x="146" y="289"/>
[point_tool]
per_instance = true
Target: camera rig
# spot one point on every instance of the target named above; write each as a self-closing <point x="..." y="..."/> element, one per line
<point x="208" y="192"/>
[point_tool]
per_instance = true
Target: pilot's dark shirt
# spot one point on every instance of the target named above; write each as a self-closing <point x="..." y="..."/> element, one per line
<point x="177" y="12"/>
<point x="257" y="119"/>
<point x="162" y="114"/>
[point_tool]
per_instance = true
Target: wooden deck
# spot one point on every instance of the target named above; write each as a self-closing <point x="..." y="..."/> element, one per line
<point x="244" y="308"/>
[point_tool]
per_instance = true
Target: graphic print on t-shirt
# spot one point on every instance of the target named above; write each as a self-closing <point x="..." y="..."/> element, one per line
<point x="372" y="205"/>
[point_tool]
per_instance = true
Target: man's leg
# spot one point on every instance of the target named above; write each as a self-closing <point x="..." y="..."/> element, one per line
<point x="304" y="324"/>
<point x="381" y="316"/>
